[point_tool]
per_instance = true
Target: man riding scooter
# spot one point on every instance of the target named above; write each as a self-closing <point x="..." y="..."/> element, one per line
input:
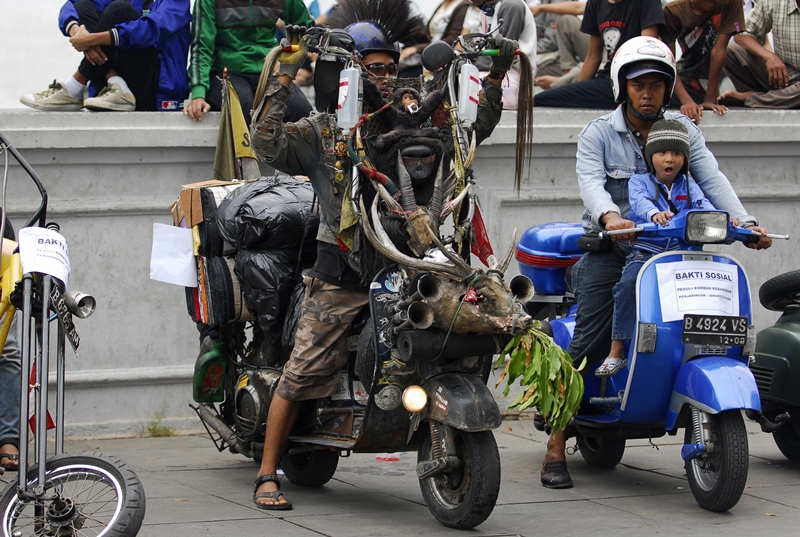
<point x="611" y="151"/>
<point x="335" y="290"/>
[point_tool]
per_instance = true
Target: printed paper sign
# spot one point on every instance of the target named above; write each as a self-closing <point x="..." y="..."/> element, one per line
<point x="697" y="287"/>
<point x="172" y="259"/>
<point x="44" y="250"/>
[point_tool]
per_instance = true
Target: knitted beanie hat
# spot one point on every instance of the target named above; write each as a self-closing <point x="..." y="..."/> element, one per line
<point x="665" y="135"/>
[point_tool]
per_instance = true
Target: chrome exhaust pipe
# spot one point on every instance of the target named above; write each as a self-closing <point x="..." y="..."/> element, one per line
<point x="418" y="315"/>
<point x="80" y="304"/>
<point x="428" y="286"/>
<point x="210" y="418"/>
<point x="521" y="287"/>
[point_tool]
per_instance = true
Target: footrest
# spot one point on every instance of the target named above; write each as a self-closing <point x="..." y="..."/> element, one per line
<point x="604" y="400"/>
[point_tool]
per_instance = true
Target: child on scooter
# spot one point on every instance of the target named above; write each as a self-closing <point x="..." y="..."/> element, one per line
<point x="654" y="197"/>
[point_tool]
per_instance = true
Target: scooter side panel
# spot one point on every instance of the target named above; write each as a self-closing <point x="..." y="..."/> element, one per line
<point x="462" y="402"/>
<point x="776" y="348"/>
<point x="714" y="384"/>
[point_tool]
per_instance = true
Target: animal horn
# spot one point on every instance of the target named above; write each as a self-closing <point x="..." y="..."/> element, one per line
<point x="407" y="199"/>
<point x="451" y="256"/>
<point x="380" y="240"/>
<point x="391" y="203"/>
<point x="436" y="198"/>
<point x="503" y="266"/>
<point x="454" y="203"/>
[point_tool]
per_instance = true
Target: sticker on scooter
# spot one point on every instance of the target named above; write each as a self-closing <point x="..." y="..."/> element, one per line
<point x="388" y="398"/>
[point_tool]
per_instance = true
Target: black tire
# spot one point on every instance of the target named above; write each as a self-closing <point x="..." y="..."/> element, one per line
<point x="107" y="499"/>
<point x="465" y="496"/>
<point x="781" y="291"/>
<point x="788" y="441"/>
<point x="601" y="452"/>
<point x="365" y="357"/>
<point x="310" y="469"/>
<point x="717" y="479"/>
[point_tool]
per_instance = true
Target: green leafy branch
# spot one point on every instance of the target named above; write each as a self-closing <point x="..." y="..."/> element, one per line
<point x="546" y="374"/>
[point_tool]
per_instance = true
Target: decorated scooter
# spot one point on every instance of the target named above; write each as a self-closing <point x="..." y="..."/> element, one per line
<point x="776" y="367"/>
<point x="687" y="363"/>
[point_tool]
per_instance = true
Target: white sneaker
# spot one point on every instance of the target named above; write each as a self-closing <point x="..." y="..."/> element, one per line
<point x="112" y="99"/>
<point x="53" y="98"/>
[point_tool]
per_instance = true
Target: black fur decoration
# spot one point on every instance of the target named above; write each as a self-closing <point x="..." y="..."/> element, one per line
<point x="393" y="16"/>
<point x="401" y="122"/>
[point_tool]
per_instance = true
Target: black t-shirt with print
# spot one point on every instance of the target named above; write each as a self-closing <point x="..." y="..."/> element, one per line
<point x="618" y="22"/>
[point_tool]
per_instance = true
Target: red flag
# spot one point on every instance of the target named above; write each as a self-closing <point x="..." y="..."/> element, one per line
<point x="480" y="238"/>
<point x="32" y="404"/>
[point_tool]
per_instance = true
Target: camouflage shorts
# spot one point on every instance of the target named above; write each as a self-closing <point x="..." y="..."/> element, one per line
<point x="320" y="345"/>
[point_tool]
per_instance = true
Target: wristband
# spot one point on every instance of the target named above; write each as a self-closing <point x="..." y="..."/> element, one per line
<point x="496" y="74"/>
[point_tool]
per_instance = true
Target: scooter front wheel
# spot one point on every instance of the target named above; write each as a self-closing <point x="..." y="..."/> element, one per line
<point x="717" y="478"/>
<point x="465" y="496"/>
<point x="96" y="495"/>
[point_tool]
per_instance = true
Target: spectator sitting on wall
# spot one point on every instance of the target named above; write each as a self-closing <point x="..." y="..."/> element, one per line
<point x="559" y="20"/>
<point x="238" y="35"/>
<point x="134" y="56"/>
<point x="765" y="79"/>
<point x="703" y="29"/>
<point x="609" y="23"/>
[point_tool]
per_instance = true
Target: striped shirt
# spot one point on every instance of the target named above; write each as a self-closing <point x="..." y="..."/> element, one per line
<point x="782" y="17"/>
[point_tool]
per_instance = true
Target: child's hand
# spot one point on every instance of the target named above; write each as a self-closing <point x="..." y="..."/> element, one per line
<point x="662" y="218"/>
<point x="735" y="222"/>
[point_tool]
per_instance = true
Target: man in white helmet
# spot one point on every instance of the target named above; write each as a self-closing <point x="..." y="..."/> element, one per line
<point x="611" y="151"/>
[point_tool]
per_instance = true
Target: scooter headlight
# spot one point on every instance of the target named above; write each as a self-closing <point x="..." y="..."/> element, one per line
<point x="707" y="228"/>
<point x="415" y="398"/>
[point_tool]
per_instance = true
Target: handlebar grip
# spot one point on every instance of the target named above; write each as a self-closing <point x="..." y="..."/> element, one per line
<point x="291" y="48"/>
<point x="496" y="52"/>
<point x="621" y="231"/>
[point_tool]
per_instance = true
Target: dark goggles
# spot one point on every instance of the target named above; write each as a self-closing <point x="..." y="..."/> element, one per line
<point x="381" y="69"/>
<point x="410" y="162"/>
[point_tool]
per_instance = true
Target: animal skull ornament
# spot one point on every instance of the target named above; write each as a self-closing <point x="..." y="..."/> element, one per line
<point x="472" y="301"/>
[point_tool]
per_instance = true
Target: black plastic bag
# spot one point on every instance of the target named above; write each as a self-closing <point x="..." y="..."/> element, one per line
<point x="268" y="278"/>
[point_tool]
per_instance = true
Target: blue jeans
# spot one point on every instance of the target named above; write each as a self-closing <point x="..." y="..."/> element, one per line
<point x="592" y="280"/>
<point x="625" y="295"/>
<point x="10" y="379"/>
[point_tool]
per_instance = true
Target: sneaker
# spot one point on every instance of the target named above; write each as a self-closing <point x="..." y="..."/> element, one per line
<point x="113" y="99"/>
<point x="610" y="367"/>
<point x="53" y="98"/>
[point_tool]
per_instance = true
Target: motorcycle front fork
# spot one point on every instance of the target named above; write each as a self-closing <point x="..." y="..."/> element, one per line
<point x="701" y="436"/>
<point x="443" y="451"/>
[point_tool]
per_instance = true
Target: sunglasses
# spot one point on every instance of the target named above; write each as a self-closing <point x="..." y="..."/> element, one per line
<point x="381" y="69"/>
<point x="410" y="162"/>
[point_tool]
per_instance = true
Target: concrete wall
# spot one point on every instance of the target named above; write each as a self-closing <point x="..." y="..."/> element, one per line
<point x="111" y="176"/>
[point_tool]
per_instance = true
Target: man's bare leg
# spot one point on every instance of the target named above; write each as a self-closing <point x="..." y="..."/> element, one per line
<point x="734" y="97"/>
<point x="554" y="467"/>
<point x="280" y="420"/>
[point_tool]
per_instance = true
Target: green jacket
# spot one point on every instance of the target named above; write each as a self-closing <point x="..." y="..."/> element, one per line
<point x="236" y="34"/>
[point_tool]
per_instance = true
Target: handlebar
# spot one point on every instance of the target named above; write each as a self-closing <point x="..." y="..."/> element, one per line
<point x="41" y="213"/>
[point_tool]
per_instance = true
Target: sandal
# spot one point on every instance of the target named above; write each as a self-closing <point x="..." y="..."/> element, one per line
<point x="610" y="367"/>
<point x="555" y="475"/>
<point x="272" y="495"/>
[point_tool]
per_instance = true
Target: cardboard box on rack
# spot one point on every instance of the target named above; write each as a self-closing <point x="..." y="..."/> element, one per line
<point x="188" y="207"/>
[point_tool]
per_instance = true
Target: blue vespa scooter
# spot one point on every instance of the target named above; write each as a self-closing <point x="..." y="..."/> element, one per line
<point x="687" y="363"/>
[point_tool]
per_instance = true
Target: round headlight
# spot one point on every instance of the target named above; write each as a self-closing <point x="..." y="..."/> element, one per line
<point x="414" y="398"/>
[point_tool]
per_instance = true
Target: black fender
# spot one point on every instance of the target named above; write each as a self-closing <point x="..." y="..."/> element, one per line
<point x="461" y="401"/>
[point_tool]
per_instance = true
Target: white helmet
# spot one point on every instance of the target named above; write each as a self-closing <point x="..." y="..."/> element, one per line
<point x="639" y="56"/>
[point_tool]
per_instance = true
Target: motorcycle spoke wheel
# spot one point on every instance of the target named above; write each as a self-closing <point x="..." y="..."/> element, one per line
<point x="717" y="478"/>
<point x="464" y="497"/>
<point x="96" y="496"/>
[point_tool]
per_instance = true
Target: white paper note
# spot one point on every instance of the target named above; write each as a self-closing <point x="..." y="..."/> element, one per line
<point x="172" y="259"/>
<point x="697" y="287"/>
<point x="44" y="250"/>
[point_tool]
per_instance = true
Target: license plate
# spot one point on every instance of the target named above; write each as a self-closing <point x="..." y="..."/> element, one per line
<point x="715" y="330"/>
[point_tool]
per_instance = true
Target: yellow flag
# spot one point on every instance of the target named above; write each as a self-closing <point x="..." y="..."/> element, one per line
<point x="233" y="139"/>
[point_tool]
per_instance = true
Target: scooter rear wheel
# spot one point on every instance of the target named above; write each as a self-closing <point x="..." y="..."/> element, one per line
<point x="717" y="478"/>
<point x="465" y="496"/>
<point x="602" y="452"/>
<point x="100" y="496"/>
<point x="310" y="469"/>
<point x="788" y="441"/>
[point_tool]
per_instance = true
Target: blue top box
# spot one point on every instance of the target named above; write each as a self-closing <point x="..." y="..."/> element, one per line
<point x="546" y="251"/>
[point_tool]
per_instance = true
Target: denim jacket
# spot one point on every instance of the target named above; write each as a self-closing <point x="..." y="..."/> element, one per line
<point x="608" y="156"/>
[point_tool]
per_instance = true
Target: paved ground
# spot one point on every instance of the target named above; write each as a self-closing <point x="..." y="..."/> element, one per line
<point x="192" y="490"/>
